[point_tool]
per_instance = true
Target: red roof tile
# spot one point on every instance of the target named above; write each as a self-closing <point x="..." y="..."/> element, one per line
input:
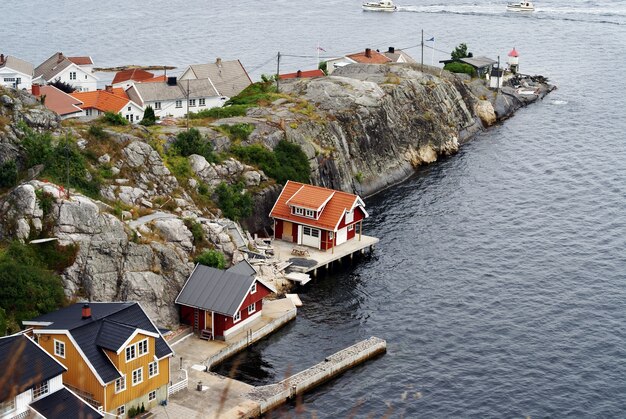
<point x="310" y="196"/>
<point x="373" y="58"/>
<point x="102" y="100"/>
<point x="135" y="74"/>
<point x="303" y="74"/>
<point x="59" y="101"/>
<point x="157" y="79"/>
<point x="81" y="60"/>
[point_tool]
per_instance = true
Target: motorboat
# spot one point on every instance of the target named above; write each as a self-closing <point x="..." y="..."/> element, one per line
<point x="380" y="6"/>
<point x="523" y="6"/>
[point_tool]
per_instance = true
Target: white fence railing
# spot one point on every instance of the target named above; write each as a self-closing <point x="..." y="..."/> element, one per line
<point x="175" y="388"/>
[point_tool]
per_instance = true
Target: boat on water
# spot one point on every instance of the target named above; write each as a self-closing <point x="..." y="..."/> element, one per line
<point x="380" y="6"/>
<point x="523" y="6"/>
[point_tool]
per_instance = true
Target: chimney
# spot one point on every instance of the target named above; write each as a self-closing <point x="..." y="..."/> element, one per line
<point x="36" y="90"/>
<point x="171" y="81"/>
<point x="1" y="59"/>
<point x="60" y="57"/>
<point x="368" y="52"/>
<point x="108" y="88"/>
<point x="86" y="311"/>
<point x="299" y="73"/>
<point x="218" y="62"/>
<point x="392" y="50"/>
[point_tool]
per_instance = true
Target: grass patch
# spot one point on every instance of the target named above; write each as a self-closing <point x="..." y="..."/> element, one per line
<point x="223" y="112"/>
<point x="237" y="132"/>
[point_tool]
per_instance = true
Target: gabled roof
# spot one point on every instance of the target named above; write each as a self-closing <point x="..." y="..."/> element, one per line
<point x="81" y="60"/>
<point x="151" y="92"/>
<point x="309" y="196"/>
<point x="85" y="332"/>
<point x="242" y="268"/>
<point x="478" y="62"/>
<point x="302" y="74"/>
<point x="369" y="56"/>
<point x="398" y="54"/>
<point x="52" y="66"/>
<point x="113" y="101"/>
<point x="228" y="77"/>
<point x="16" y="64"/>
<point x="197" y="88"/>
<point x="135" y="74"/>
<point x="64" y="404"/>
<point x="216" y="290"/>
<point x="112" y="335"/>
<point x="23" y="364"/>
<point x="156" y="79"/>
<point x="58" y="101"/>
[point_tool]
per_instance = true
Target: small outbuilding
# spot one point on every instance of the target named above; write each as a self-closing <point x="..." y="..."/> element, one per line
<point x="482" y="65"/>
<point x="218" y="303"/>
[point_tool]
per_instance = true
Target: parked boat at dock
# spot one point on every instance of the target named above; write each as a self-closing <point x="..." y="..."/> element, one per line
<point x="380" y="6"/>
<point x="523" y="6"/>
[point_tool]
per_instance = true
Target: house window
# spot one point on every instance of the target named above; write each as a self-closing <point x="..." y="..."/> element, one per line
<point x="120" y="384"/>
<point x="237" y="317"/>
<point x="72" y="75"/>
<point x="137" y="376"/>
<point x="157" y="105"/>
<point x="310" y="213"/>
<point x="192" y="102"/>
<point x="202" y="102"/>
<point x="351" y="227"/>
<point x="7" y="406"/>
<point x="121" y="411"/>
<point x="298" y="211"/>
<point x="129" y="109"/>
<point x="349" y="217"/>
<point x="179" y="103"/>
<point x="10" y="79"/>
<point x="152" y="395"/>
<point x="308" y="231"/>
<point x="143" y="347"/>
<point x="131" y="353"/>
<point x="59" y="348"/>
<point x="253" y="289"/>
<point x="40" y="390"/>
<point x="251" y="308"/>
<point x="153" y="369"/>
<point x="88" y="112"/>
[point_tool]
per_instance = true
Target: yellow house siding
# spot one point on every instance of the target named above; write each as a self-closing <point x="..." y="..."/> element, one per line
<point x="78" y="373"/>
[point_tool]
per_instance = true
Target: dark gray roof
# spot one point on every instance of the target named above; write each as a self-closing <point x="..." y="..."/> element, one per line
<point x="243" y="268"/>
<point x="228" y="77"/>
<point x="112" y="335"/>
<point x="16" y="64"/>
<point x="52" y="66"/>
<point x="215" y="290"/>
<point x="63" y="404"/>
<point x="24" y="364"/>
<point x="86" y="332"/>
<point x="478" y="62"/>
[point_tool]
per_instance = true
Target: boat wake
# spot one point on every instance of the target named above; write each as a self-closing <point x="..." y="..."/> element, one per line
<point x="559" y="102"/>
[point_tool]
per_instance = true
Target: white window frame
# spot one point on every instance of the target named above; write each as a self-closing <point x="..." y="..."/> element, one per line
<point x="202" y="102"/>
<point x="298" y="211"/>
<point x="120" y="384"/>
<point x="132" y="350"/>
<point x="251" y="308"/>
<point x="351" y="227"/>
<point x="40" y="390"/>
<point x="192" y="103"/>
<point x="7" y="406"/>
<point x="142" y="348"/>
<point x="157" y="106"/>
<point x="237" y="317"/>
<point x="152" y="395"/>
<point x="253" y="288"/>
<point x="179" y="103"/>
<point x="121" y="411"/>
<point x="153" y="369"/>
<point x="60" y="349"/>
<point x="349" y="217"/>
<point x="72" y="75"/>
<point x="137" y="378"/>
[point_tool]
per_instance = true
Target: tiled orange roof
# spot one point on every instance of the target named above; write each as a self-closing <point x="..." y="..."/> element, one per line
<point x="135" y="74"/>
<point x="310" y="196"/>
<point x="102" y="100"/>
<point x="374" y="57"/>
<point x="156" y="79"/>
<point x="303" y="74"/>
<point x="81" y="60"/>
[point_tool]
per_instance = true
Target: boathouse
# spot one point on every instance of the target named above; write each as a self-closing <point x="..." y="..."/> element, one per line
<point x="220" y="303"/>
<point x="317" y="217"/>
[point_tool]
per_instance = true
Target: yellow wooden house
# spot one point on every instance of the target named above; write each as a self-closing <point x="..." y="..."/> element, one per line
<point x="116" y="358"/>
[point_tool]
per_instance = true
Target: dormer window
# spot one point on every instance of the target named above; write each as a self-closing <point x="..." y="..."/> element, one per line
<point x="298" y="211"/>
<point x="309" y="213"/>
<point x="303" y="212"/>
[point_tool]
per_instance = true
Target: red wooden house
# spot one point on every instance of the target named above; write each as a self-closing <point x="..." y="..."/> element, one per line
<point x="317" y="217"/>
<point x="220" y="303"/>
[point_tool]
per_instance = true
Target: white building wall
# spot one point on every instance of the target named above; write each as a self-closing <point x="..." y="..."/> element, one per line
<point x="132" y="112"/>
<point x="26" y="80"/>
<point x="55" y="384"/>
<point x="21" y="404"/>
<point x="85" y="82"/>
<point x="341" y="61"/>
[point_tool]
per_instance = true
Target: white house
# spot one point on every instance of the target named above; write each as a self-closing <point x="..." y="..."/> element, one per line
<point x="76" y="71"/>
<point x="176" y="98"/>
<point x="228" y="78"/>
<point x="32" y="384"/>
<point x="15" y="73"/>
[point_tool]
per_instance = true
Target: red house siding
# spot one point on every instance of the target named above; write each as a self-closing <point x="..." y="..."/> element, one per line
<point x="358" y="216"/>
<point x="186" y="316"/>
<point x="278" y="229"/>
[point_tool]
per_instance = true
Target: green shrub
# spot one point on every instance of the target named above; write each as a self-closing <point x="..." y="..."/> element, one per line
<point x="233" y="201"/>
<point x="132" y="412"/>
<point x="8" y="174"/>
<point x="254" y="94"/>
<point x="286" y="162"/>
<point x="45" y="200"/>
<point x="324" y="67"/>
<point x="149" y="118"/>
<point x="27" y="288"/>
<point x="196" y="230"/>
<point x="179" y="166"/>
<point x="460" y="52"/>
<point x="192" y="142"/>
<point x="55" y="257"/>
<point x="203" y="188"/>
<point x="38" y="147"/>
<point x="239" y="132"/>
<point x="96" y="131"/>
<point x="212" y="258"/>
<point x="223" y="112"/>
<point x="457" y="67"/>
<point x="114" y="119"/>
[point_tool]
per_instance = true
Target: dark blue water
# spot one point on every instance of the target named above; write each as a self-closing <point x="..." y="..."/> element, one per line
<point x="500" y="279"/>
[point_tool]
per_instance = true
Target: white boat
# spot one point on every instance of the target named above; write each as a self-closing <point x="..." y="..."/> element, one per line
<point x="523" y="6"/>
<point x="380" y="6"/>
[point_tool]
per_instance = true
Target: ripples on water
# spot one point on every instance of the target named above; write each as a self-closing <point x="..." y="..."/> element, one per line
<point x="500" y="280"/>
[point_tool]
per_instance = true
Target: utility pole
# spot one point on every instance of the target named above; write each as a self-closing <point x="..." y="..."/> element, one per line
<point x="498" y="86"/>
<point x="422" y="50"/>
<point x="278" y="72"/>
<point x="187" y="104"/>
